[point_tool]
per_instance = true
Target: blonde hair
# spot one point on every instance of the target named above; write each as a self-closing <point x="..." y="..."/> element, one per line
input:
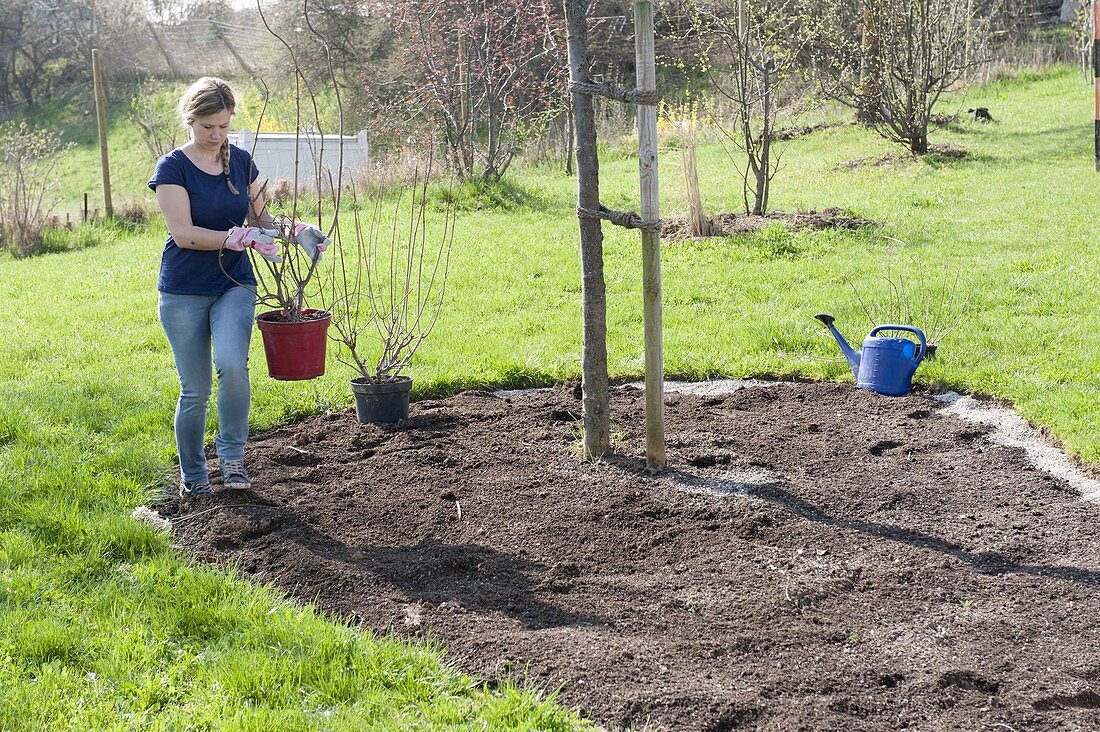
<point x="204" y="98"/>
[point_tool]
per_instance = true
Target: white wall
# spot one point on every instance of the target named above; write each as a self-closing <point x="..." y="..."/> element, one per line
<point x="274" y="154"/>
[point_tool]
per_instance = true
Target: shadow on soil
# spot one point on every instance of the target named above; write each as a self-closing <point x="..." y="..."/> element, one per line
<point x="431" y="571"/>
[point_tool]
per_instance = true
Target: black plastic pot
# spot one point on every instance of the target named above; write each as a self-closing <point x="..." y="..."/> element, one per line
<point x="381" y="402"/>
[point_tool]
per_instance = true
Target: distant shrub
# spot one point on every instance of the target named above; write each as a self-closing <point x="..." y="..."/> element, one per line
<point x="281" y="192"/>
<point x="132" y="215"/>
<point x="29" y="185"/>
<point x="390" y="169"/>
<point x="60" y="238"/>
<point x="476" y="195"/>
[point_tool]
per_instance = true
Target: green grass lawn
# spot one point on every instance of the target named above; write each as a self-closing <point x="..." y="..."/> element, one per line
<point x="104" y="626"/>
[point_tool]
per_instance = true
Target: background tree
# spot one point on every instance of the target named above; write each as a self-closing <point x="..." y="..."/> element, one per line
<point x="360" y="43"/>
<point x="905" y="54"/>
<point x="45" y="45"/>
<point x="484" y="73"/>
<point x="152" y="110"/>
<point x="749" y="50"/>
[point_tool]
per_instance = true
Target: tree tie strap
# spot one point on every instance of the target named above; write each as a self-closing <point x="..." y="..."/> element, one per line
<point x="616" y="92"/>
<point x="625" y="219"/>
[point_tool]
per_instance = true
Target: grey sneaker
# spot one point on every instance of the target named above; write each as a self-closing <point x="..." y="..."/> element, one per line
<point x="196" y="490"/>
<point x="235" y="476"/>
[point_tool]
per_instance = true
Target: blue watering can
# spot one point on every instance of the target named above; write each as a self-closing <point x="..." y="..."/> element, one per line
<point x="884" y="365"/>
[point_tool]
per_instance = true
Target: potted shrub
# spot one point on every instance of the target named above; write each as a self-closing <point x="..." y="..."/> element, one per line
<point x="294" y="336"/>
<point x="392" y="285"/>
<point x="387" y="282"/>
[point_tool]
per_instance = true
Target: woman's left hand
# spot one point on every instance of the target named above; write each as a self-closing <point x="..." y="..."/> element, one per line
<point x="310" y="238"/>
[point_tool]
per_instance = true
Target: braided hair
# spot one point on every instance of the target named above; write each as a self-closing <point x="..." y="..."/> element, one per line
<point x="206" y="97"/>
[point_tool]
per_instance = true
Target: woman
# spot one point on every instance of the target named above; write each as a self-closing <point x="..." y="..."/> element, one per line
<point x="206" y="190"/>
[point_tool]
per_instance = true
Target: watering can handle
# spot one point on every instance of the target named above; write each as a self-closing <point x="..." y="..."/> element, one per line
<point x="909" y="329"/>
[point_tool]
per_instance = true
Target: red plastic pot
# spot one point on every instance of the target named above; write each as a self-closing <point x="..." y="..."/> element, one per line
<point x="295" y="351"/>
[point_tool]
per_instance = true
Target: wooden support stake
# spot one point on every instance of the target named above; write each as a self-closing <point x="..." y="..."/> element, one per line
<point x="101" y="117"/>
<point x="645" y="62"/>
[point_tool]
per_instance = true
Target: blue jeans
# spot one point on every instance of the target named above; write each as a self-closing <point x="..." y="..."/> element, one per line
<point x="191" y="322"/>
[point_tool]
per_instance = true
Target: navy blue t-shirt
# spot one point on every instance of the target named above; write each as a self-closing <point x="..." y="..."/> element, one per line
<point x="213" y="206"/>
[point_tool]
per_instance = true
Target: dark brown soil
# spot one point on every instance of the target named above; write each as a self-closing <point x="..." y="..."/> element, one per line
<point x="736" y="224"/>
<point x="791" y="133"/>
<point x="816" y="557"/>
<point x="282" y="316"/>
<point x="941" y="152"/>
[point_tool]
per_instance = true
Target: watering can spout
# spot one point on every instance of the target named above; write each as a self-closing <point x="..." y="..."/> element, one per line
<point x="851" y="355"/>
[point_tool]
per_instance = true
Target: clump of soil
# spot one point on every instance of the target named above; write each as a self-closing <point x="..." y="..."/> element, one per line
<point x="951" y="152"/>
<point x="790" y="133"/>
<point x="816" y="557"/>
<point x="738" y="224"/>
<point x="943" y="120"/>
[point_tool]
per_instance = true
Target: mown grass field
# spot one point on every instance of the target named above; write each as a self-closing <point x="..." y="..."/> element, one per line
<point x="103" y="626"/>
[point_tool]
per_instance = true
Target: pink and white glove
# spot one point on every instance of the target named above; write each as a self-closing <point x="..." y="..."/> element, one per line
<point x="262" y="240"/>
<point x="311" y="239"/>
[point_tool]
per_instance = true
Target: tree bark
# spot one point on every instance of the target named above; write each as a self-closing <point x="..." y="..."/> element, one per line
<point x="569" y="140"/>
<point x="594" y="384"/>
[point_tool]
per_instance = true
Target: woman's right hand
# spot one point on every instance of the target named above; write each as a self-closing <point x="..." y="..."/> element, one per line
<point x="243" y="237"/>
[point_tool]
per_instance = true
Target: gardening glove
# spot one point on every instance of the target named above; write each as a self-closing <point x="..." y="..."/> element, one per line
<point x="262" y="240"/>
<point x="311" y="239"/>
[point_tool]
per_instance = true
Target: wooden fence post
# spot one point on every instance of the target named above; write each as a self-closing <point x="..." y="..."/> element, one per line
<point x="645" y="63"/>
<point x="101" y="117"/>
<point x="1096" y="80"/>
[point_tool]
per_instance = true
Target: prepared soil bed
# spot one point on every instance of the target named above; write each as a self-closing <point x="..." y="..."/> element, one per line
<point x="816" y="557"/>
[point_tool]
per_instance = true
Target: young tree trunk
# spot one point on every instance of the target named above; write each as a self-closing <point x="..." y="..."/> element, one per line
<point x="465" y="142"/>
<point x="763" y="167"/>
<point x="594" y="384"/>
<point x="870" y="68"/>
<point x="760" y="195"/>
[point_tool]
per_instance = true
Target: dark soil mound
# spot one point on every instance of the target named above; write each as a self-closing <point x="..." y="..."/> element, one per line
<point x="815" y="558"/>
<point x="737" y="224"/>
<point x="791" y="133"/>
<point x="935" y="153"/>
